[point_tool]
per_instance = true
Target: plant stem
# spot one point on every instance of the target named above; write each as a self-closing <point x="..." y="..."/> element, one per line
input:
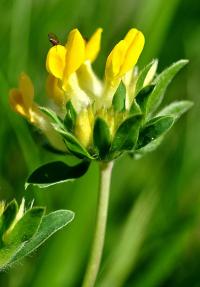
<point x="101" y="220"/>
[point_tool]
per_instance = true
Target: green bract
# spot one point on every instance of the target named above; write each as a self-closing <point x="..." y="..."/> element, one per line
<point x="21" y="232"/>
<point x="136" y="129"/>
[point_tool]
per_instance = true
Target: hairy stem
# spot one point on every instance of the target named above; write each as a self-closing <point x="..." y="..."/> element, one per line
<point x="101" y="220"/>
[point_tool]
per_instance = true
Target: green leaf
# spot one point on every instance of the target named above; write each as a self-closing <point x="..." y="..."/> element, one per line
<point x="143" y="96"/>
<point x="101" y="137"/>
<point x="161" y="83"/>
<point x="119" y="99"/>
<point x="56" y="172"/>
<point x="127" y="134"/>
<point x="154" y="129"/>
<point x="176" y="109"/>
<point x="8" y="215"/>
<point x="73" y="145"/>
<point x="6" y="254"/>
<point x="52" y="115"/>
<point x="50" y="224"/>
<point x="25" y="227"/>
<point x="143" y="74"/>
<point x="70" y="117"/>
<point x="153" y="145"/>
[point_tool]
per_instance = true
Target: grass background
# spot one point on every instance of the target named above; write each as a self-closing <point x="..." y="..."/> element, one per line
<point x="153" y="236"/>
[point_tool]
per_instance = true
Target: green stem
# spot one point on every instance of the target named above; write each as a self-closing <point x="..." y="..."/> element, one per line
<point x="101" y="220"/>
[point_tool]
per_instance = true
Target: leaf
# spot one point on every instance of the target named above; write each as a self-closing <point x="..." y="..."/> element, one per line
<point x="73" y="145"/>
<point x="143" y="74"/>
<point x="154" y="129"/>
<point x="176" y="109"/>
<point x="119" y="98"/>
<point x="8" y="215"/>
<point x="50" y="224"/>
<point x="25" y="227"/>
<point x="56" y="172"/>
<point x="143" y="96"/>
<point x="127" y="134"/>
<point x="70" y="117"/>
<point x="150" y="147"/>
<point x="101" y="137"/>
<point x="6" y="254"/>
<point x="161" y="83"/>
<point x="52" y="115"/>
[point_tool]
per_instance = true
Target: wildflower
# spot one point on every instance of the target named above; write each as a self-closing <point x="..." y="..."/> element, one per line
<point x="99" y="119"/>
<point x="95" y="119"/>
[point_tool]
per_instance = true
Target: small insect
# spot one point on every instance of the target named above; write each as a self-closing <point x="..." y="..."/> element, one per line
<point x="53" y="39"/>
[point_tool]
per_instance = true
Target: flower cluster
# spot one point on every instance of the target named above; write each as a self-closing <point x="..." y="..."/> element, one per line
<point x="100" y="119"/>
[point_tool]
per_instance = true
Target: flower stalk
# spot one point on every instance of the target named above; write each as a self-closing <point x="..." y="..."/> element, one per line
<point x="101" y="220"/>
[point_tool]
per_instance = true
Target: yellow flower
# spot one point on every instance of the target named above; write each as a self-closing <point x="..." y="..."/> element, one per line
<point x="71" y="78"/>
<point x="62" y="61"/>
<point x="124" y="55"/>
<point x="21" y="99"/>
<point x="93" y="46"/>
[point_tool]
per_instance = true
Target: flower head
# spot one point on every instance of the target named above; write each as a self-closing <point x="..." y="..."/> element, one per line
<point x="100" y="119"/>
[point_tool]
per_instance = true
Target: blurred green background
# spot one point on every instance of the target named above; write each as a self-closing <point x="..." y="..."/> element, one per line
<point x="153" y="235"/>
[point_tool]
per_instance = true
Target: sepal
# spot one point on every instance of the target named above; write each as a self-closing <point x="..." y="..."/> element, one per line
<point x="143" y="96"/>
<point x="101" y="137"/>
<point x="126" y="135"/>
<point x="70" y="117"/>
<point x="119" y="98"/>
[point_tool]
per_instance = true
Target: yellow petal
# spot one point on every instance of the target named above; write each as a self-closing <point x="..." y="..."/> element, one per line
<point x="55" y="62"/>
<point x="130" y="36"/>
<point x="93" y="45"/>
<point x="135" y="40"/>
<point x="21" y="100"/>
<point x="83" y="127"/>
<point x="115" y="60"/>
<point x="17" y="103"/>
<point x="54" y="91"/>
<point x="75" y="55"/>
<point x="27" y="90"/>
<point x="88" y="80"/>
